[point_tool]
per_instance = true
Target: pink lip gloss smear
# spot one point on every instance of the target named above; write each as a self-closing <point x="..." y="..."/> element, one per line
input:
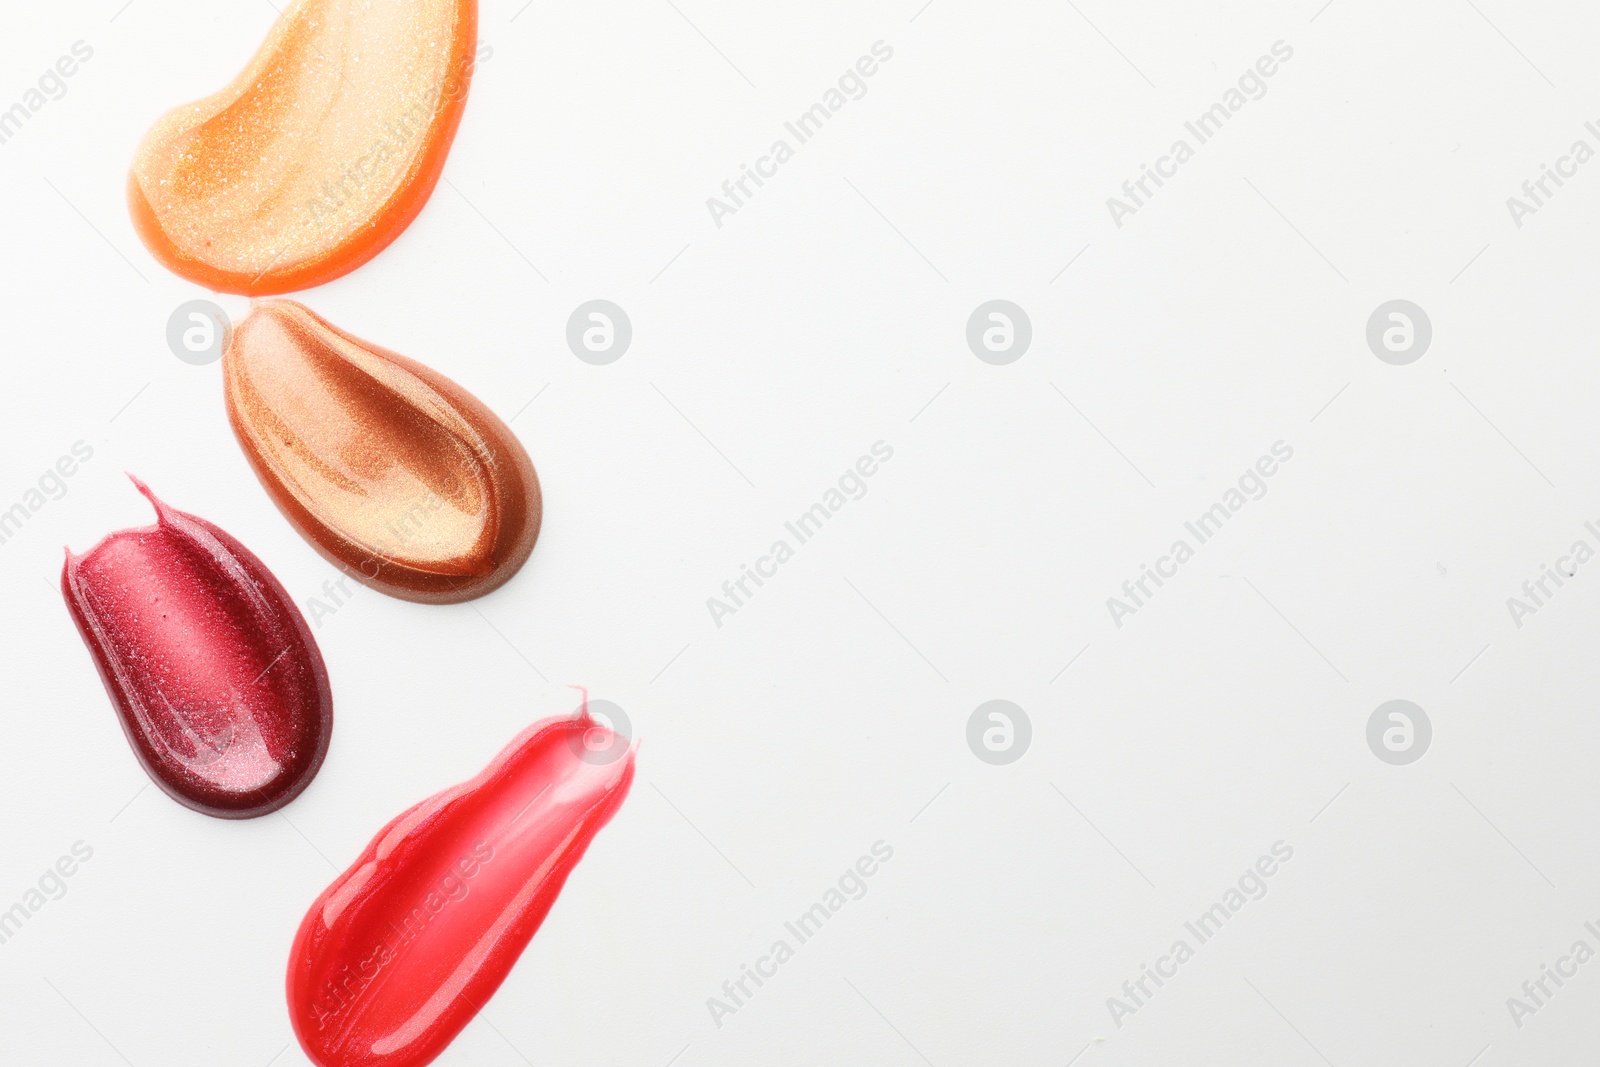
<point x="212" y="671"/>
<point x="399" y="953"/>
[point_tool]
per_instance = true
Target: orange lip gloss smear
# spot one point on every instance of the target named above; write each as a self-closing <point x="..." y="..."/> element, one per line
<point x="317" y="155"/>
<point x="391" y="470"/>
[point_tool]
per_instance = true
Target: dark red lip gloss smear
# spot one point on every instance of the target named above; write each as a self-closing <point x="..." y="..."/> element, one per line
<point x="210" y="666"/>
<point x="401" y="951"/>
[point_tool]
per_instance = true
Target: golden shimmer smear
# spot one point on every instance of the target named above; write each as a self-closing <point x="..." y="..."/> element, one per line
<point x="391" y="470"/>
<point x="317" y="155"/>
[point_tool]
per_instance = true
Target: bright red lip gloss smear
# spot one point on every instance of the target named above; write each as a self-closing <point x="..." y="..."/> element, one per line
<point x="215" y="677"/>
<point x="401" y="951"/>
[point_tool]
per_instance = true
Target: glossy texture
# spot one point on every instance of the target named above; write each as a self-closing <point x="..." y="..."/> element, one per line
<point x="212" y="671"/>
<point x="390" y="469"/>
<point x="317" y="155"/>
<point x="405" y="947"/>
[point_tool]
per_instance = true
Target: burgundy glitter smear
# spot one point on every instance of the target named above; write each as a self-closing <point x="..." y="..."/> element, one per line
<point x="213" y="673"/>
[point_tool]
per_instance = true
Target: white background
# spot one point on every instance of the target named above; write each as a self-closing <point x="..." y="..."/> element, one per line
<point x="828" y="314"/>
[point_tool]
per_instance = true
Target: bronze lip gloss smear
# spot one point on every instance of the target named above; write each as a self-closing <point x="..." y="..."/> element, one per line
<point x="391" y="470"/>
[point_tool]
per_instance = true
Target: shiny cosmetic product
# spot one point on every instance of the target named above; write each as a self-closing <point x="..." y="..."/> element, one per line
<point x="317" y="155"/>
<point x="406" y="946"/>
<point x="394" y="472"/>
<point x="212" y="671"/>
